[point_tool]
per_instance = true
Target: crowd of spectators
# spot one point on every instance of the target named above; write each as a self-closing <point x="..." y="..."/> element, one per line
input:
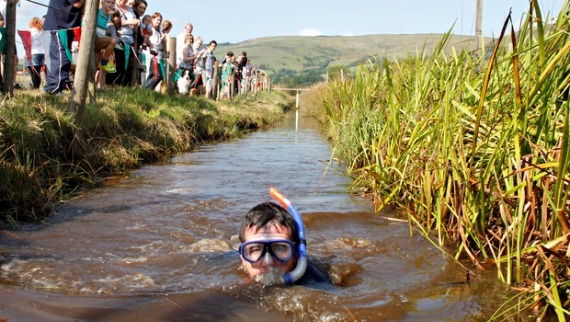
<point x="131" y="49"/>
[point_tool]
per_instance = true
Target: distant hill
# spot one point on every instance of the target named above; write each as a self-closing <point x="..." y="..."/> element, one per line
<point x="304" y="54"/>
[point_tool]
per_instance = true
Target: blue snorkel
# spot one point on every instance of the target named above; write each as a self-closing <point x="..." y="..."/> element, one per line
<point x="291" y="277"/>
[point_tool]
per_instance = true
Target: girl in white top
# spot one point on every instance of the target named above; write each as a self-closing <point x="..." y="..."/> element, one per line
<point x="187" y="54"/>
<point x="154" y="53"/>
<point x="36" y="62"/>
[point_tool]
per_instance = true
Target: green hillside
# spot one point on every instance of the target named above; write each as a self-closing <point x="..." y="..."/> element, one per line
<point x="297" y="54"/>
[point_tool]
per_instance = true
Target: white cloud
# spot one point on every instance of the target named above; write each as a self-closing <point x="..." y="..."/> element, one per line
<point x="310" y="32"/>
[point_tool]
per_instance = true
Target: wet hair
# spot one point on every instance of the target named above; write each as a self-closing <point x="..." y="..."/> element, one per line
<point x="268" y="213"/>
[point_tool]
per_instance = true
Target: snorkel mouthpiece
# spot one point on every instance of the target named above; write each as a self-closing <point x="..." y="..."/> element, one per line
<point x="291" y="277"/>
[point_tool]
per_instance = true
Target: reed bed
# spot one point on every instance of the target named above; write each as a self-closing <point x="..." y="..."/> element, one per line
<point x="473" y="147"/>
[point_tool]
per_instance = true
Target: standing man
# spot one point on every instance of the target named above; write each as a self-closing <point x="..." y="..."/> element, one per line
<point x="61" y="15"/>
<point x="181" y="40"/>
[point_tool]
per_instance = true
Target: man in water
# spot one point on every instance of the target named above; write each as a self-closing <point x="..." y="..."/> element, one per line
<point x="270" y="247"/>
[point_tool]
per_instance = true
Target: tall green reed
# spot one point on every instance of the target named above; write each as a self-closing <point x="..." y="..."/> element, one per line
<point x="479" y="156"/>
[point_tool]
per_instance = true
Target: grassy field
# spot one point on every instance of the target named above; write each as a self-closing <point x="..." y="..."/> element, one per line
<point x="301" y="53"/>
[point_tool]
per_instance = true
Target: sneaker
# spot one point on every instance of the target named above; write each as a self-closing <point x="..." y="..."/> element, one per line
<point x="112" y="63"/>
<point x="56" y="93"/>
<point x="109" y="68"/>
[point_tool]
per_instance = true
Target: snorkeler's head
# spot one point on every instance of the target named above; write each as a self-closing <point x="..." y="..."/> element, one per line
<point x="269" y="238"/>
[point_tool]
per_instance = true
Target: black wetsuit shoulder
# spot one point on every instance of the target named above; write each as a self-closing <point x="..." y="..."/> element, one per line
<point x="313" y="275"/>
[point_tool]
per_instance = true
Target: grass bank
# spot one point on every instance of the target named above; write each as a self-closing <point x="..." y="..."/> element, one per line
<point x="44" y="156"/>
<point x="473" y="148"/>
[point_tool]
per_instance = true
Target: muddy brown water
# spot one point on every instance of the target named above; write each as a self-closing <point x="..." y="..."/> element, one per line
<point x="158" y="245"/>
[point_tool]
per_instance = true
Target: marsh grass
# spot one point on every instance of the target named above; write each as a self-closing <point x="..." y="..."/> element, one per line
<point x="475" y="149"/>
<point x="45" y="156"/>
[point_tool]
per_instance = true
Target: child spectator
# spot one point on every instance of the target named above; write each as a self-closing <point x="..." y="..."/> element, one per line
<point x="125" y="55"/>
<point x="185" y="62"/>
<point x="114" y="25"/>
<point x="104" y="44"/>
<point x="154" y="66"/>
<point x="38" y="53"/>
<point x="227" y="77"/>
<point x="146" y="30"/>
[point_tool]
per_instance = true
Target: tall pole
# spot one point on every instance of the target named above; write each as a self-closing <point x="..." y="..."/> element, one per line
<point x="83" y="72"/>
<point x="10" y="20"/>
<point x="479" y="28"/>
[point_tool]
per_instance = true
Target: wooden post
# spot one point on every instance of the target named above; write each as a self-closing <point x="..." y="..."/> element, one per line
<point x="8" y="72"/>
<point x="297" y="111"/>
<point x="215" y="91"/>
<point x="232" y="86"/>
<point x="85" y="59"/>
<point x="171" y="70"/>
<point x="134" y="70"/>
<point x="479" y="28"/>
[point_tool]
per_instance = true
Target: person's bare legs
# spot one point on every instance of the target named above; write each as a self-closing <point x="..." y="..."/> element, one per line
<point x="108" y="50"/>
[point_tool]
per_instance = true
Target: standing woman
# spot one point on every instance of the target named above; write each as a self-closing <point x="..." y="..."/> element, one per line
<point x="125" y="62"/>
<point x="38" y="53"/>
<point x="156" y="40"/>
<point x="139" y="9"/>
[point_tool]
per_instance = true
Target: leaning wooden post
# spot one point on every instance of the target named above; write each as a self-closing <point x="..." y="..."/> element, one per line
<point x="8" y="86"/>
<point x="85" y="59"/>
<point x="171" y="42"/>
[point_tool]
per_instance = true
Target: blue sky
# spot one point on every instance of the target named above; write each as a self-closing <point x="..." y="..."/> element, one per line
<point x="235" y="21"/>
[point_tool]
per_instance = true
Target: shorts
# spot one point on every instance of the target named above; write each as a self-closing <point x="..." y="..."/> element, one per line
<point x="102" y="43"/>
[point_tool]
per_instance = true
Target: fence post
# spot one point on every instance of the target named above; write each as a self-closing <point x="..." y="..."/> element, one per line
<point x="215" y="83"/>
<point x="85" y="66"/>
<point x="171" y="69"/>
<point x="232" y="86"/>
<point x="297" y="111"/>
<point x="9" y="62"/>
